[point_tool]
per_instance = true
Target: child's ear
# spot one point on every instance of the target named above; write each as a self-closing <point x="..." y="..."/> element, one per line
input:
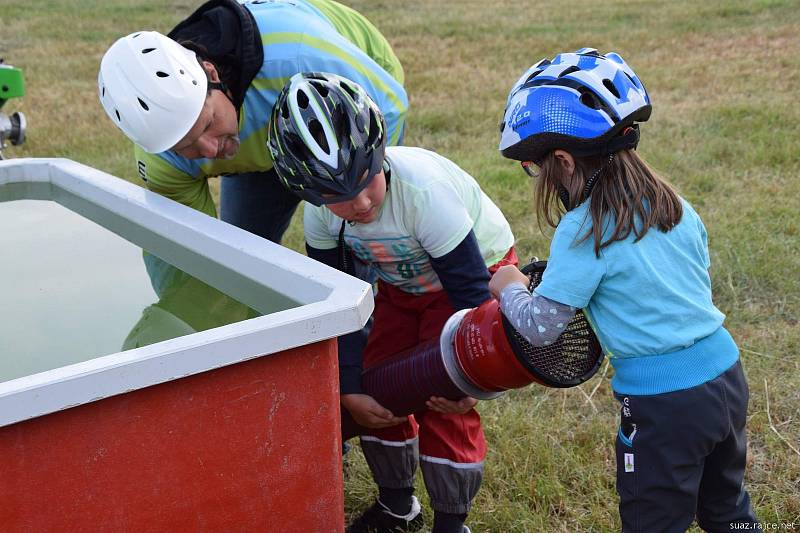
<point x="566" y="161"/>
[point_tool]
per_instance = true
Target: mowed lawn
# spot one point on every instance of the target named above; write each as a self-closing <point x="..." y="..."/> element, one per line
<point x="723" y="78"/>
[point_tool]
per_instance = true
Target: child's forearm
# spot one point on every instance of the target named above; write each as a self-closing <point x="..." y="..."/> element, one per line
<point x="538" y="319"/>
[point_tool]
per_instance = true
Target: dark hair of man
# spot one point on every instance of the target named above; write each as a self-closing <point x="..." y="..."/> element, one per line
<point x="225" y="74"/>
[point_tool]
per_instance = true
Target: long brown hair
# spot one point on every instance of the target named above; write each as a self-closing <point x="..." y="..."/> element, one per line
<point x="627" y="193"/>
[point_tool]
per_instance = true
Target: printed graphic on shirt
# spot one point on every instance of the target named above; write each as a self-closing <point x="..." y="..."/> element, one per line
<point x="399" y="261"/>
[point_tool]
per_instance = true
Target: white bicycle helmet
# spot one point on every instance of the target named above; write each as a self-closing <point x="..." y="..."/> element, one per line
<point x="152" y="88"/>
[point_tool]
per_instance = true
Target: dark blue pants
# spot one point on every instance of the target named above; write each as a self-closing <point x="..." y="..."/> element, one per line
<point x="681" y="455"/>
<point x="258" y="203"/>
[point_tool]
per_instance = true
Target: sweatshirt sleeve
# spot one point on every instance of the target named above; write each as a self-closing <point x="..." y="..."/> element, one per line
<point x="538" y="319"/>
<point x="463" y="274"/>
<point x="175" y="178"/>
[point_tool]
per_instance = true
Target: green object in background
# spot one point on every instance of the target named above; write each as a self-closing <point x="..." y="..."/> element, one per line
<point x="11" y="83"/>
<point x="12" y="127"/>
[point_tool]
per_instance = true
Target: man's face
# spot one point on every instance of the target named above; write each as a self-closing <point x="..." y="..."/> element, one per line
<point x="215" y="132"/>
<point x="365" y="207"/>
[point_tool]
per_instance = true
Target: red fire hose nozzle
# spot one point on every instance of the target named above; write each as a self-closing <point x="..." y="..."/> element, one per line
<point x="480" y="354"/>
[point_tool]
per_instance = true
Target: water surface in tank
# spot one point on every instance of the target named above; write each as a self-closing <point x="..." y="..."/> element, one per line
<point x="73" y="290"/>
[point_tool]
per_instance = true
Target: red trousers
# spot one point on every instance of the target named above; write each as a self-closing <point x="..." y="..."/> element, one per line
<point x="402" y="321"/>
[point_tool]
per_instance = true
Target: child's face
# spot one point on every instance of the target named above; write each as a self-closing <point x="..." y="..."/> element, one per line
<point x="365" y="207"/>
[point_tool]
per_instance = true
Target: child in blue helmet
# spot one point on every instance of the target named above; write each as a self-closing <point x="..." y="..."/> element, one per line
<point x="634" y="255"/>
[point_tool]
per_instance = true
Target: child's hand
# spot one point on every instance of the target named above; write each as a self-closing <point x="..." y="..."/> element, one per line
<point x="369" y="413"/>
<point x="443" y="405"/>
<point x="505" y="275"/>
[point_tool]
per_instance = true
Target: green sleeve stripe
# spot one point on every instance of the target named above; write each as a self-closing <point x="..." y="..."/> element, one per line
<point x="269" y="84"/>
<point x="277" y="84"/>
<point x="360" y="67"/>
<point x="289" y="37"/>
<point x="395" y="138"/>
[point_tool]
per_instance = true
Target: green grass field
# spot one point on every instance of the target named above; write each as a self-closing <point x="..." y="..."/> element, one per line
<point x="723" y="77"/>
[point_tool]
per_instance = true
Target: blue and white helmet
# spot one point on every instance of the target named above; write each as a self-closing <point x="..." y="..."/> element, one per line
<point x="579" y="102"/>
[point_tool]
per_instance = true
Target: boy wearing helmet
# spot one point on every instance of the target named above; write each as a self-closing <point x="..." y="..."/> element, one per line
<point x="196" y="103"/>
<point x="634" y="254"/>
<point x="430" y="233"/>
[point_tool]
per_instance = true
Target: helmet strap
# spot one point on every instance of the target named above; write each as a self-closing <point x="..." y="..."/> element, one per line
<point x="344" y="263"/>
<point x="387" y="171"/>
<point x="563" y="195"/>
<point x="627" y="140"/>
<point x="587" y="189"/>
<point x="211" y="85"/>
<point x="220" y="86"/>
<point x="342" y="249"/>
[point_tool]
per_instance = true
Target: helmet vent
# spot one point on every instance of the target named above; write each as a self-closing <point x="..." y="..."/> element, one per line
<point x="302" y="99"/>
<point x="536" y="73"/>
<point x="162" y="74"/>
<point x="349" y="90"/>
<point x="116" y="111"/>
<point x="103" y="91"/>
<point x="144" y="106"/>
<point x="315" y="128"/>
<point x="285" y="110"/>
<point x="360" y="125"/>
<point x="590" y="100"/>
<point x="610" y="86"/>
<point x="341" y="126"/>
<point x="147" y="50"/>
<point x="321" y="89"/>
<point x="135" y="36"/>
<point x="568" y="70"/>
<point x="295" y="145"/>
<point x="372" y="128"/>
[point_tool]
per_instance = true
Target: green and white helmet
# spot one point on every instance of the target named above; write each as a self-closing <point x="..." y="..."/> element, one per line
<point x="324" y="134"/>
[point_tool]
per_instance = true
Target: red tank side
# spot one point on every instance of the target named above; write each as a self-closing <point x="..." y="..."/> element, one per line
<point x="253" y="446"/>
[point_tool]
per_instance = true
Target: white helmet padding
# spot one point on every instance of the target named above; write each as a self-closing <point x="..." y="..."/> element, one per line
<point x="152" y="88"/>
